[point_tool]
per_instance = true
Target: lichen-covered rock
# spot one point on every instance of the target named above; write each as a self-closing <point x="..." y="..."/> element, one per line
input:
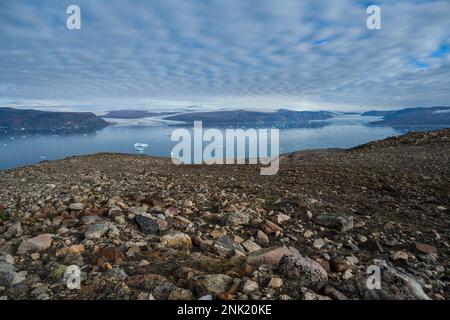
<point x="96" y="231"/>
<point x="176" y="240"/>
<point x="303" y="270"/>
<point x="238" y="218"/>
<point x="215" y="284"/>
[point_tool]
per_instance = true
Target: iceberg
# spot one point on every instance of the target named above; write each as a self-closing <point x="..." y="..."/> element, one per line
<point x="140" y="146"/>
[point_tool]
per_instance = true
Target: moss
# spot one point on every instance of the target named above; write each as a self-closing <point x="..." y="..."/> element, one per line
<point x="3" y="216"/>
<point x="58" y="272"/>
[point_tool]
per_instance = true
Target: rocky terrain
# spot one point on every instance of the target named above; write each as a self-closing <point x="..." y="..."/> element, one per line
<point x="138" y="227"/>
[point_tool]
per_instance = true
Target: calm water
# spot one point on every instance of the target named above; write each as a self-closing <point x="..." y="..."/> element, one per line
<point x="343" y="132"/>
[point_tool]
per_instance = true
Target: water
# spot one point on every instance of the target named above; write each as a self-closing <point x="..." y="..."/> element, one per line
<point x="343" y="132"/>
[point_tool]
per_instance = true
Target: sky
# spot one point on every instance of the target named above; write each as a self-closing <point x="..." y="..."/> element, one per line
<point x="263" y="54"/>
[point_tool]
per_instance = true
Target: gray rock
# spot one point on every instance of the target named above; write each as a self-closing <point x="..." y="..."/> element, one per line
<point x="336" y="222"/>
<point x="6" y="257"/>
<point x="117" y="273"/>
<point x="226" y="247"/>
<point x="311" y="295"/>
<point x="262" y="238"/>
<point x="7" y="274"/>
<point x="303" y="270"/>
<point x="250" y="286"/>
<point x="91" y="219"/>
<point x="77" y="206"/>
<point x="395" y="284"/>
<point x="14" y="231"/>
<point x="238" y="218"/>
<point x="147" y="225"/>
<point x="318" y="243"/>
<point x="96" y="231"/>
<point x="214" y="284"/>
<point x="251" y="246"/>
<point x="19" y="277"/>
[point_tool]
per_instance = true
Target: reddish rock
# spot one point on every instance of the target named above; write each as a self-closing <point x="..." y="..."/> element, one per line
<point x="425" y="248"/>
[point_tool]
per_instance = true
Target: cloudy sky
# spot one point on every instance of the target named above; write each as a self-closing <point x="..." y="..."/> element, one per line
<point x="225" y="53"/>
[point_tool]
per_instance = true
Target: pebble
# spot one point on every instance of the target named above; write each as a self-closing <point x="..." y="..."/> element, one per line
<point x="308" y="234"/>
<point x="251" y="246"/>
<point x="77" y="206"/>
<point x="318" y="243"/>
<point x="176" y="240"/>
<point x="147" y="225"/>
<point x="282" y="218"/>
<point x="262" y="238"/>
<point x="250" y="286"/>
<point x="238" y="218"/>
<point x="120" y="220"/>
<point x="275" y="282"/>
<point x="96" y="231"/>
<point x="210" y="284"/>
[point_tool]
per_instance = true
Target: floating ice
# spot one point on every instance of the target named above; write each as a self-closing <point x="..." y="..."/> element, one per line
<point x="140" y="146"/>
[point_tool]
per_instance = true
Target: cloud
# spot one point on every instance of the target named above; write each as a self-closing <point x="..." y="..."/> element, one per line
<point x="264" y="54"/>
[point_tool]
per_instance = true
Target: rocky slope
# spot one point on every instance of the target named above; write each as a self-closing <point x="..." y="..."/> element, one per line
<point x="138" y="227"/>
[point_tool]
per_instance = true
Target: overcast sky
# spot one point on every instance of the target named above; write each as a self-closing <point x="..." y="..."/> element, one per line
<point x="225" y="53"/>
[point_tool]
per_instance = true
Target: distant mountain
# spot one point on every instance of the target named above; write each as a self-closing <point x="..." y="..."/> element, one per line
<point x="34" y="121"/>
<point x="376" y="113"/>
<point x="414" y="116"/>
<point x="281" y="118"/>
<point x="133" y="114"/>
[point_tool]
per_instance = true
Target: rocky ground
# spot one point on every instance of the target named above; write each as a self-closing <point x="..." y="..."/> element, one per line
<point x="138" y="227"/>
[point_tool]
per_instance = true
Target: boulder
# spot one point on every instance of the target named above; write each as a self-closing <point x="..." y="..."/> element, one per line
<point x="336" y="222"/>
<point x="303" y="270"/>
<point x="38" y="243"/>
<point x="176" y="240"/>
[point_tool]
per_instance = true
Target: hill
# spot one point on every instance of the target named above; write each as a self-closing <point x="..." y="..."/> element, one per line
<point x="34" y="121"/>
<point x="413" y="116"/>
<point x="281" y="118"/>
